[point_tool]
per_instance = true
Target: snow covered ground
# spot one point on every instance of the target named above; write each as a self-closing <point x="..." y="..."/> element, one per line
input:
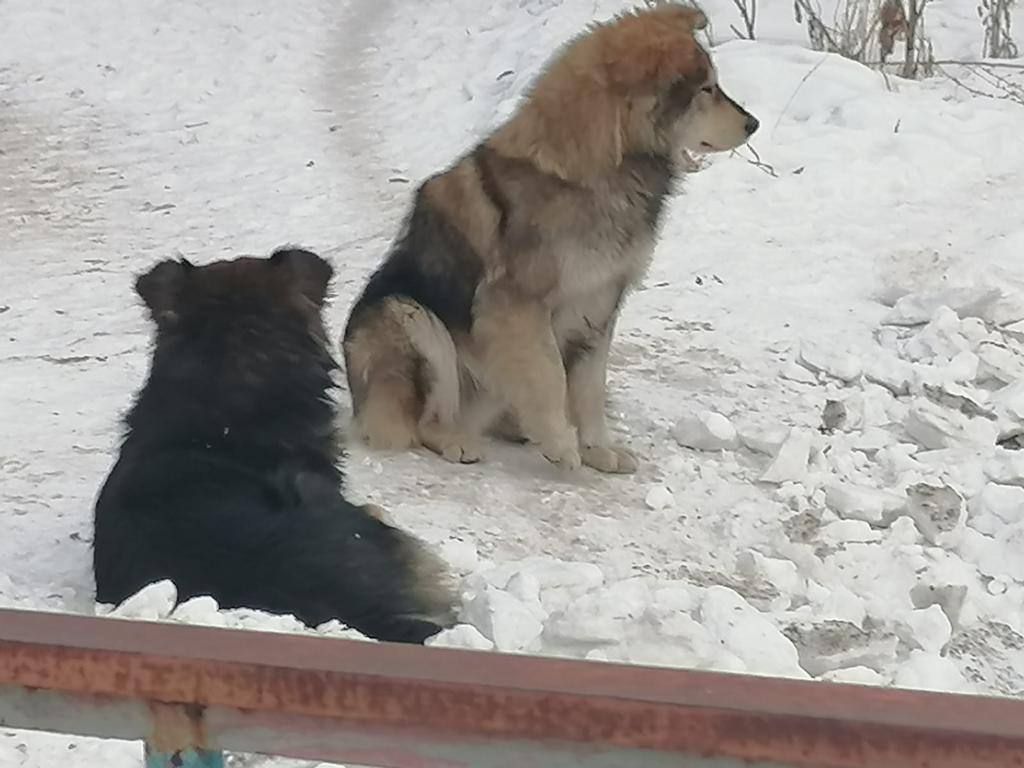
<point x="874" y="279"/>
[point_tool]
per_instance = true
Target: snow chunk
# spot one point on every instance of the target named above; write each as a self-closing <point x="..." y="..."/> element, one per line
<point x="781" y="574"/>
<point x="591" y="620"/>
<point x="790" y="465"/>
<point x="796" y="372"/>
<point x="152" y="602"/>
<point x="933" y="426"/>
<point x="1011" y="400"/>
<point x="1006" y="468"/>
<point x="706" y="431"/>
<point x="930" y="628"/>
<point x="829" y="645"/>
<point x="999" y="363"/>
<point x="560" y="581"/>
<point x="748" y="635"/>
<point x="930" y="672"/>
<point x="843" y="531"/>
<point x="1005" y="503"/>
<point x="939" y="339"/>
<point x="939" y="512"/>
<point x="862" y="502"/>
<point x="460" y="555"/>
<point x="819" y="359"/>
<point x="919" y="308"/>
<point x="854" y="676"/>
<point x="894" y="374"/>
<point x="949" y="597"/>
<point x="460" y="636"/>
<point x="768" y="441"/>
<point x="659" y="497"/>
<point x="872" y="440"/>
<point x="203" y="611"/>
<point x="964" y="400"/>
<point x="837" y="602"/>
<point x="504" y="620"/>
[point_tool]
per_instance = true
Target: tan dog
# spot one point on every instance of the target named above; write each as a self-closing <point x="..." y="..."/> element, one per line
<point x="497" y="303"/>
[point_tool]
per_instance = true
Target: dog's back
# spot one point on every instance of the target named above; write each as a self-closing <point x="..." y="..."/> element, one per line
<point x="227" y="481"/>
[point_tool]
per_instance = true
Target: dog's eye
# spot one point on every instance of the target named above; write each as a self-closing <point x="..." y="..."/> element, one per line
<point x="708" y="89"/>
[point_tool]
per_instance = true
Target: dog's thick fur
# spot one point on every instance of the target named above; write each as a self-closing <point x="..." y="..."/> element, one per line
<point x="497" y="303"/>
<point x="228" y="480"/>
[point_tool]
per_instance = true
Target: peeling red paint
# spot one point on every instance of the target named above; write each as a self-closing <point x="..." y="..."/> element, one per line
<point x="471" y="698"/>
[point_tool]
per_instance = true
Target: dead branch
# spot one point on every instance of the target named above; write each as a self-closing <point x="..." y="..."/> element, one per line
<point x="748" y="12"/>
<point x="996" y="17"/>
<point x="800" y="85"/>
<point x="997" y="87"/>
<point x="758" y="163"/>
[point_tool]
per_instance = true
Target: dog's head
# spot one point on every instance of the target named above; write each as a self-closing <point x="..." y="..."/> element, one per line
<point x="263" y="306"/>
<point x="639" y="83"/>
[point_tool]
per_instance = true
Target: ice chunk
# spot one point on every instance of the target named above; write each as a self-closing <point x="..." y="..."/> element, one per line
<point x="820" y="359"/>
<point x="939" y="512"/>
<point x="930" y="628"/>
<point x="461" y="636"/>
<point x="152" y="602"/>
<point x="504" y="620"/>
<point x="706" y="431"/>
<point x="790" y="465"/>
<point x="747" y="634"/>
<point x="861" y="502"/>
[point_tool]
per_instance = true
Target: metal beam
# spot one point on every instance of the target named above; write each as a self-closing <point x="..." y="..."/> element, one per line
<point x="394" y="706"/>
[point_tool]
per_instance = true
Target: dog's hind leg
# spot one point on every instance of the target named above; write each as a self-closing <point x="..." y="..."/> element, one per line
<point x="403" y="373"/>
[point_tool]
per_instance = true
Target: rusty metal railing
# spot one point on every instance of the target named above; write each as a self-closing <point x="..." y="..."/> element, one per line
<point x="193" y="692"/>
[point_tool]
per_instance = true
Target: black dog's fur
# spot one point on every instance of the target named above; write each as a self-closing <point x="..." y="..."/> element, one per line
<point x="228" y="480"/>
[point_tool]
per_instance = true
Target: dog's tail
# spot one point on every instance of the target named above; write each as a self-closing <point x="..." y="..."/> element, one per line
<point x="402" y="371"/>
<point x="377" y="579"/>
<point x="347" y="562"/>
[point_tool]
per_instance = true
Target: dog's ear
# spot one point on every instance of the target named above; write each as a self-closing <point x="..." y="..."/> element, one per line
<point x="656" y="47"/>
<point x="161" y="288"/>
<point x="695" y="17"/>
<point x="309" y="272"/>
<point x="690" y="16"/>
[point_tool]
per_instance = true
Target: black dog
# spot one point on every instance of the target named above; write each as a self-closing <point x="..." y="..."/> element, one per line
<point x="228" y="481"/>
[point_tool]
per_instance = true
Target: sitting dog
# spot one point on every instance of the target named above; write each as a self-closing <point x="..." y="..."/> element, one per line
<point x="497" y="303"/>
<point x="228" y="481"/>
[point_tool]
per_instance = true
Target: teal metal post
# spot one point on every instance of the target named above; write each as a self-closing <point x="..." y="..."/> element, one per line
<point x="184" y="758"/>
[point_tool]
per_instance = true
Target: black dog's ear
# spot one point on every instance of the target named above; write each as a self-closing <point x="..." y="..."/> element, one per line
<point x="161" y="287"/>
<point x="310" y="273"/>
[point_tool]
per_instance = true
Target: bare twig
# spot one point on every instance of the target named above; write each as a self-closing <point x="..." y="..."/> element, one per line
<point x="757" y="162"/>
<point x="748" y="12"/>
<point x="1004" y="89"/>
<point x="800" y="85"/>
<point x="962" y="63"/>
<point x="815" y="26"/>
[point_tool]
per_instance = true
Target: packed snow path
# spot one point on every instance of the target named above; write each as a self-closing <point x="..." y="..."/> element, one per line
<point x="136" y="131"/>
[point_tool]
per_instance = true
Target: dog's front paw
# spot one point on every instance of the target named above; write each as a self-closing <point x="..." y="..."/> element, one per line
<point x="453" y="444"/>
<point x="562" y="451"/>
<point x="468" y="450"/>
<point x="609" y="458"/>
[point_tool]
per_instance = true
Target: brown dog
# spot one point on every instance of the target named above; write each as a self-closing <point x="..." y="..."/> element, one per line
<point x="498" y="301"/>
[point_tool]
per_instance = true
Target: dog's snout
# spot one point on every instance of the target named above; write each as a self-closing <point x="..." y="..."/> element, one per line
<point x="751" y="125"/>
